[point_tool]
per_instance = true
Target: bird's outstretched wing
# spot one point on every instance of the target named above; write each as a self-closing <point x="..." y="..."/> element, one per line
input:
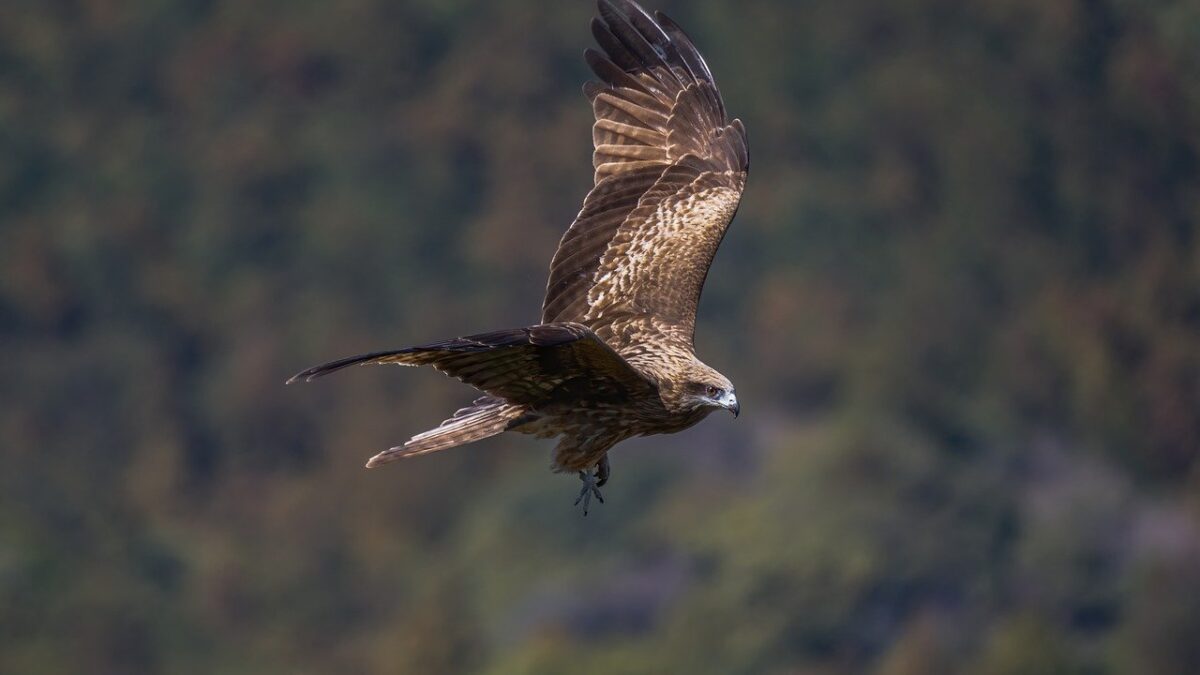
<point x="520" y="365"/>
<point x="670" y="169"/>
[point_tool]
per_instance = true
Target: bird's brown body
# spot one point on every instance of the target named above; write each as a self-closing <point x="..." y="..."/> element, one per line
<point x="588" y="425"/>
<point x="613" y="356"/>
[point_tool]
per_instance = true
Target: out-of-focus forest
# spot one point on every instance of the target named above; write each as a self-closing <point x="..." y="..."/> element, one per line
<point x="961" y="304"/>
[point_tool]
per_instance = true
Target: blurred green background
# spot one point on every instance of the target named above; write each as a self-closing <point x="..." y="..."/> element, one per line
<point x="961" y="304"/>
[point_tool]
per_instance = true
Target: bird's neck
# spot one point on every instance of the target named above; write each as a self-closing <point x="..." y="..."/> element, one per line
<point x="671" y="371"/>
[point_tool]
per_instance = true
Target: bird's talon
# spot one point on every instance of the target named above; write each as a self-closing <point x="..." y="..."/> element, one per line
<point x="587" y="491"/>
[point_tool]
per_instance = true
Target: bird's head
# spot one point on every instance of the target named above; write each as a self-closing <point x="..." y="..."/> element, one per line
<point x="710" y="389"/>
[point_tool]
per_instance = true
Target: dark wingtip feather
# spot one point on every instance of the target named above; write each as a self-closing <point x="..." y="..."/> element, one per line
<point x="613" y="47"/>
<point x="308" y="375"/>
<point x="333" y="366"/>
<point x="686" y="47"/>
<point x="611" y="73"/>
<point x="640" y="47"/>
<point x="313" y="373"/>
<point x="647" y="26"/>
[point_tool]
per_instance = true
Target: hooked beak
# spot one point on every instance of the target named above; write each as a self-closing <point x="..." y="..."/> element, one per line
<point x="729" y="402"/>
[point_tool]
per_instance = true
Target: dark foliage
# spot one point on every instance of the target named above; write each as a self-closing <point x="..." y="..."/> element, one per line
<point x="961" y="303"/>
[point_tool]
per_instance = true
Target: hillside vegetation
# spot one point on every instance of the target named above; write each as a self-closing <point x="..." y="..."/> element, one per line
<point x="960" y="303"/>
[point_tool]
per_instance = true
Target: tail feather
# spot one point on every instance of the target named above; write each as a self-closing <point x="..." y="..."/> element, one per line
<point x="487" y="417"/>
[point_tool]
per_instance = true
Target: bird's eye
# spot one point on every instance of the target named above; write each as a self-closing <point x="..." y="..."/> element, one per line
<point x="712" y="391"/>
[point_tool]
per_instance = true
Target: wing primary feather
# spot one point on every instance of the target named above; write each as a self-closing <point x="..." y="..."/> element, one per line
<point x="333" y="366"/>
<point x="614" y="47"/>
<point x="647" y="55"/>
<point x="655" y="35"/>
<point x="611" y="73"/>
<point x="651" y="118"/>
<point x="639" y="134"/>
<point x="687" y="48"/>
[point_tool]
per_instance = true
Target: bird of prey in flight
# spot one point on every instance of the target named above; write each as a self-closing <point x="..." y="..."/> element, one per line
<point x="613" y="356"/>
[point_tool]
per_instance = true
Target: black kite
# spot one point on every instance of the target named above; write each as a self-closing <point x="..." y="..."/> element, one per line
<point x="613" y="357"/>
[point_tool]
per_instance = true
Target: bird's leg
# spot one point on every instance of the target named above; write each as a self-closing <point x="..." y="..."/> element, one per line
<point x="602" y="471"/>
<point x="591" y="485"/>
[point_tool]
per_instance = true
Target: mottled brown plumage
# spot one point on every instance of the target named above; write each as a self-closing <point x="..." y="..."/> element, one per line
<point x="613" y="357"/>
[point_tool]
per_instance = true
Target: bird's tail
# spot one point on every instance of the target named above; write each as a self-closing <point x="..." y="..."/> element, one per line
<point x="485" y="417"/>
